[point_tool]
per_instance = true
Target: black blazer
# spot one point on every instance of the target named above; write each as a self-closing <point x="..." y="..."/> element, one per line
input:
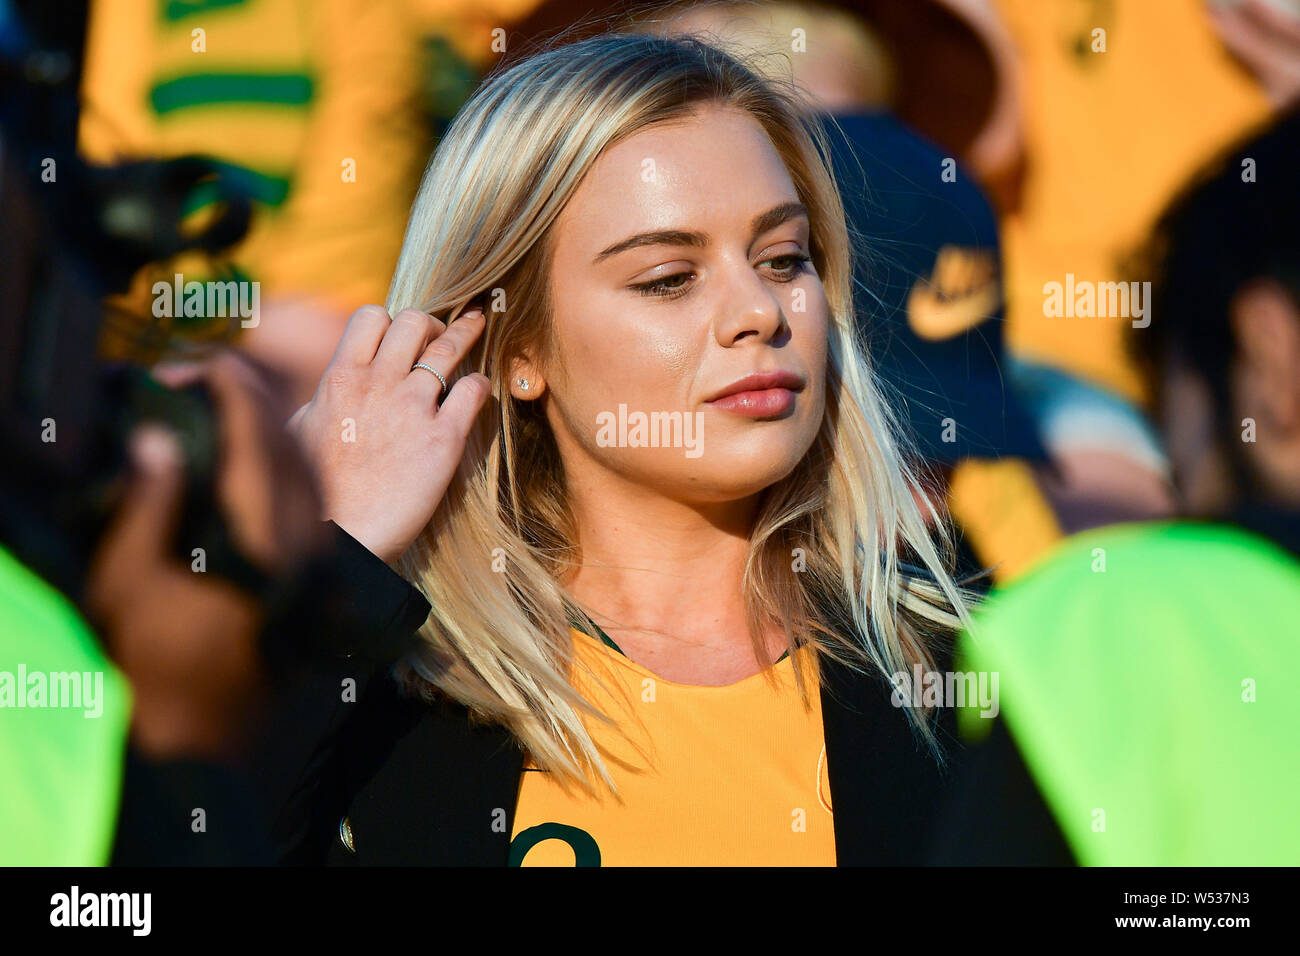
<point x="423" y="785"/>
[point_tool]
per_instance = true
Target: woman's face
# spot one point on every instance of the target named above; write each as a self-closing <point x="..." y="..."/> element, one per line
<point x="681" y="268"/>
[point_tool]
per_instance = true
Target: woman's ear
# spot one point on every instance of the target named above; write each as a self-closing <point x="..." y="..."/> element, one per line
<point x="526" y="382"/>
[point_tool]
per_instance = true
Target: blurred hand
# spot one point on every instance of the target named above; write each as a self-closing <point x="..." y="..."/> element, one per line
<point x="296" y="337"/>
<point x="384" y="440"/>
<point x="188" y="641"/>
<point x="1267" y="40"/>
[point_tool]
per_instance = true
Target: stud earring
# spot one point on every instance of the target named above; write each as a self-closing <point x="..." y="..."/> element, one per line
<point x="523" y="383"/>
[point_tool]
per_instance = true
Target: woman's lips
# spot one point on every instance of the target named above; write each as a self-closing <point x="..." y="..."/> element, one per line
<point x="757" y="403"/>
<point x="766" y="394"/>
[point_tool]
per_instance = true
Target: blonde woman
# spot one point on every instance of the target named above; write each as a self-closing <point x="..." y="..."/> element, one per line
<point x="645" y="483"/>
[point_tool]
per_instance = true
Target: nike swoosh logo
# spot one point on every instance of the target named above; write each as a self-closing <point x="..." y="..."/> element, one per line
<point x="962" y="292"/>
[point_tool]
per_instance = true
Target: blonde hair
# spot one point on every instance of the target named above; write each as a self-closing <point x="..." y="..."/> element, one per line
<point x="492" y="559"/>
<point x="764" y="33"/>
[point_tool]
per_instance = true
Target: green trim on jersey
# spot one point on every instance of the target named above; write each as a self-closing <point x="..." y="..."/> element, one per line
<point x="268" y="187"/>
<point x="174" y="10"/>
<point x="605" y="638"/>
<point x="292" y="90"/>
<point x="609" y="642"/>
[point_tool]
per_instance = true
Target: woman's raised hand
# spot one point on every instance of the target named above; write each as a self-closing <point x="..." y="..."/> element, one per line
<point x="382" y="437"/>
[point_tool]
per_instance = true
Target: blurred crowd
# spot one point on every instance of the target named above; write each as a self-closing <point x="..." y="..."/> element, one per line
<point x="1079" y="281"/>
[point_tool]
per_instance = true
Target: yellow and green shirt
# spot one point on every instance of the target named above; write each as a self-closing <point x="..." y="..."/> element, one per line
<point x="1111" y="137"/>
<point x="707" y="776"/>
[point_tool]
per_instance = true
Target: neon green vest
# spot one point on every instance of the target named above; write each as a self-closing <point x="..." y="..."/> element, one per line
<point x="64" y="713"/>
<point x="1147" y="674"/>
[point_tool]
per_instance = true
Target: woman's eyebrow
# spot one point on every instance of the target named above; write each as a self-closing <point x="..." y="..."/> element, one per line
<point x="698" y="240"/>
<point x="775" y="216"/>
<point x="664" y="237"/>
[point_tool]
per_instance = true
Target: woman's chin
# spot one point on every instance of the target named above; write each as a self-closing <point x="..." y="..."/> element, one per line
<point x="720" y="468"/>
<point x="721" y="477"/>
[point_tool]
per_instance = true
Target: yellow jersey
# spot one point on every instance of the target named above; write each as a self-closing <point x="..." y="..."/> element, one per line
<point x="707" y="776"/>
<point x="1123" y="103"/>
<point x="316" y="101"/>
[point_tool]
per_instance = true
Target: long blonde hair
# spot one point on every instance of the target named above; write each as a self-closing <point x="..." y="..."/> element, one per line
<point x="492" y="560"/>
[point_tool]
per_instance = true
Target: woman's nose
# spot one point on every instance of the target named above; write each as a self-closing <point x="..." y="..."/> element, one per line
<point x="750" y="310"/>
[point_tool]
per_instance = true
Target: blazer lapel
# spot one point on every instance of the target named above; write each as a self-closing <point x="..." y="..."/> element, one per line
<point x="442" y="793"/>
<point x="885" y="785"/>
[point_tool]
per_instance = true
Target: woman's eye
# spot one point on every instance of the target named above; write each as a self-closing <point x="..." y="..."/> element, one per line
<point x="785" y="269"/>
<point x="789" y="267"/>
<point x="664" y="287"/>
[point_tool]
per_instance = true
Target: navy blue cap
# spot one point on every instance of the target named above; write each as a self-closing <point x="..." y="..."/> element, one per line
<point x="928" y="290"/>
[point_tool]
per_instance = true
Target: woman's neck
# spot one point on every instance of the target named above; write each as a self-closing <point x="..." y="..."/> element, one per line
<point x="663" y="579"/>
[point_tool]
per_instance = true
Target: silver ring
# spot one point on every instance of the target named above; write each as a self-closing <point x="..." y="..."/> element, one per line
<point x="430" y="368"/>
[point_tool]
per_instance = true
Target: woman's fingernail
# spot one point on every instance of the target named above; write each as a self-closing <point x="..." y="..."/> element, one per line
<point x="155" y="449"/>
<point x="177" y="373"/>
